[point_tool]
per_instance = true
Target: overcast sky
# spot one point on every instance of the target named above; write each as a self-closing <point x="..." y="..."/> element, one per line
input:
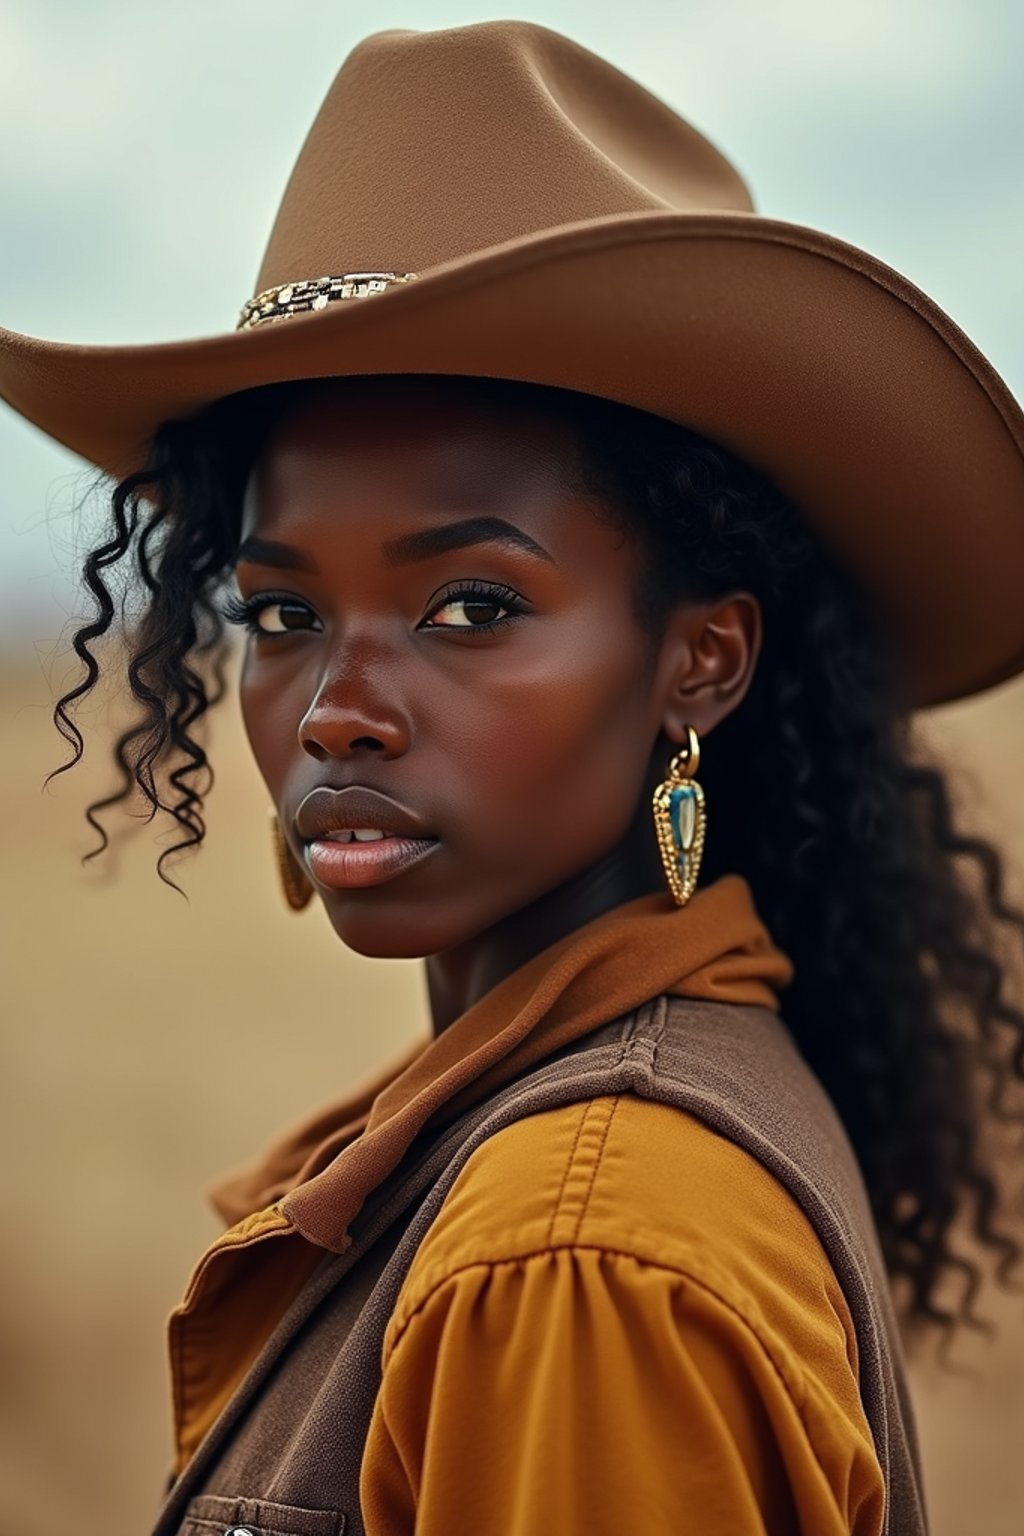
<point x="145" y="148"/>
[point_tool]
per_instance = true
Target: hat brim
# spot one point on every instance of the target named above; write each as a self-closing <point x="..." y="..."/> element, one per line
<point x="815" y="362"/>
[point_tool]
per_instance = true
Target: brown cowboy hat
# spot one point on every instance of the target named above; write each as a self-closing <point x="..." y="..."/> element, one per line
<point x="495" y="200"/>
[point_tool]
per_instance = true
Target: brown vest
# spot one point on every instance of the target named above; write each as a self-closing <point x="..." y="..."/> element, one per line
<point x="284" y="1457"/>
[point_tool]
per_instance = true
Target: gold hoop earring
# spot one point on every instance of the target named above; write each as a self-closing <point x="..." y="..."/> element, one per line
<point x="295" y="883"/>
<point x="680" y="820"/>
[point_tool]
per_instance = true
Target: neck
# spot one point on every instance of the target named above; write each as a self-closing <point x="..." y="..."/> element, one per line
<point x="459" y="977"/>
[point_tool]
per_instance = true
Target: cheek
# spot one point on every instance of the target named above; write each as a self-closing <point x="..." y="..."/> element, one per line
<point x="561" y="731"/>
<point x="271" y="710"/>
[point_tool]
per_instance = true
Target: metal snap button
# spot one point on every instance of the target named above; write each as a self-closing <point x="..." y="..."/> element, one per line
<point x="241" y="1530"/>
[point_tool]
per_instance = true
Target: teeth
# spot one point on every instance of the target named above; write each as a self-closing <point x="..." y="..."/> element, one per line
<point x="356" y="835"/>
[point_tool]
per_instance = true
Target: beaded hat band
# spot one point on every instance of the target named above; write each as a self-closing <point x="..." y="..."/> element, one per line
<point x="314" y="293"/>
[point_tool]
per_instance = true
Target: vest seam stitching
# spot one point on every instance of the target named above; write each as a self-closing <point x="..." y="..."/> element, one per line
<point x="659" y="1022"/>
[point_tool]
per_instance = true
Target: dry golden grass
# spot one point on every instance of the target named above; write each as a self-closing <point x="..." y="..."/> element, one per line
<point x="149" y="1043"/>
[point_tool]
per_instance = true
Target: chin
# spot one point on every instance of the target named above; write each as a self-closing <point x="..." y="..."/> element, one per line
<point x="399" y="931"/>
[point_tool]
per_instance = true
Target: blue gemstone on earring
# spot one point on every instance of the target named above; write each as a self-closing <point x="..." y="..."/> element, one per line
<point x="682" y="810"/>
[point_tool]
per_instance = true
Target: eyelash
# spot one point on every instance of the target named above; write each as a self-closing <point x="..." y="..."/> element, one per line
<point x="246" y="612"/>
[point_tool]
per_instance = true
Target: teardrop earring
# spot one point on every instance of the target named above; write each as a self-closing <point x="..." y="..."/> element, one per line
<point x="680" y="819"/>
<point x="295" y="883"/>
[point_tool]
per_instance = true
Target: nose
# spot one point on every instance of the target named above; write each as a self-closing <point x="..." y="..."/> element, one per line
<point x="355" y="710"/>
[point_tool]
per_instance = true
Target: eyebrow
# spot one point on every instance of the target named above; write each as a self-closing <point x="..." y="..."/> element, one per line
<point x="256" y="551"/>
<point x="428" y="542"/>
<point x="422" y="545"/>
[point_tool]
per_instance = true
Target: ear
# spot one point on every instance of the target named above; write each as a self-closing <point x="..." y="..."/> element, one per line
<point x="707" y="659"/>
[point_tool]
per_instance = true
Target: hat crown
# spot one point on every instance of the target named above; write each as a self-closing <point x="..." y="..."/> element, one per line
<point x="433" y="145"/>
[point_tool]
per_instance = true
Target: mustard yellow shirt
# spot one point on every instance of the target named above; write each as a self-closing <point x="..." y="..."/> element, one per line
<point x="619" y="1322"/>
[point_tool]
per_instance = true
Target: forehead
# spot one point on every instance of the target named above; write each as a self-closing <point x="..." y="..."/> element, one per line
<point x="433" y="444"/>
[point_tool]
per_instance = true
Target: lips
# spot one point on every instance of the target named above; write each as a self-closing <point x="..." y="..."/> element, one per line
<point x="326" y="821"/>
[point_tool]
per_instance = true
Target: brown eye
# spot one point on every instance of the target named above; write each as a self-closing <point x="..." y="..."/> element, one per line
<point x="468" y="612"/>
<point x="476" y="605"/>
<point x="268" y="615"/>
<point x="277" y="618"/>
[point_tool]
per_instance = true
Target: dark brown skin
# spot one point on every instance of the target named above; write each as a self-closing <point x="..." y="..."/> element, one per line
<point x="530" y="751"/>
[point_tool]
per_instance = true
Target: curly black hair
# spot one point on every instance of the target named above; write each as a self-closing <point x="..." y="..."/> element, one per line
<point x="897" y="922"/>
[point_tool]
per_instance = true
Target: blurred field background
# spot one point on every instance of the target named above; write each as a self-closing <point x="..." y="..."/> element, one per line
<point x="148" y="1043"/>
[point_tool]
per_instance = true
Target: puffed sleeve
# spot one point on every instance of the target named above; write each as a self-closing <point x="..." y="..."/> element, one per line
<point x="582" y="1390"/>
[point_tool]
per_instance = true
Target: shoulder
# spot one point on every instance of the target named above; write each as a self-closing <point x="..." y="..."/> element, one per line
<point x="599" y="1275"/>
<point x="627" y="1176"/>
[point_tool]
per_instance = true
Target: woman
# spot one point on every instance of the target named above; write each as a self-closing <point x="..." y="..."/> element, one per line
<point x="592" y="557"/>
